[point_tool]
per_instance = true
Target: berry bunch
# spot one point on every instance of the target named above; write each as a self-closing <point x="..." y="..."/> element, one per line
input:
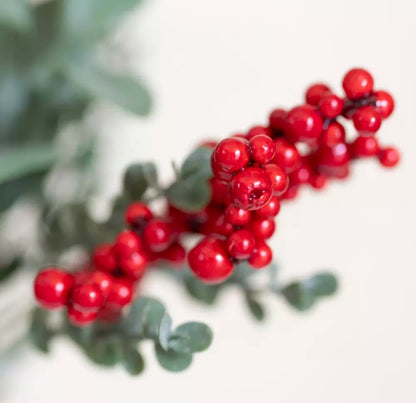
<point x="108" y="283"/>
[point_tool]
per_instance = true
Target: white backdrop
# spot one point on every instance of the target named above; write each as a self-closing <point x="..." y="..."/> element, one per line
<point x="219" y="66"/>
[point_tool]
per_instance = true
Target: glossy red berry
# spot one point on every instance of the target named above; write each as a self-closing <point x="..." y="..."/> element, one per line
<point x="258" y="130"/>
<point x="241" y="244"/>
<point x="291" y="193"/>
<point x="262" y="149"/>
<point x="237" y="216"/>
<point x="367" y="120"/>
<point x="318" y="181"/>
<point x="100" y="278"/>
<point x="251" y="189"/>
<point x="87" y="297"/>
<point x="303" y="123"/>
<point x="209" y="260"/>
<point x="333" y="134"/>
<point x="364" y="147"/>
<point x="358" y="83"/>
<point x="287" y="156"/>
<point x="384" y="103"/>
<point x="52" y="287"/>
<point x="333" y="161"/>
<point x="137" y="214"/>
<point x="277" y="120"/>
<point x="134" y="265"/>
<point x="158" y="235"/>
<point x="389" y="157"/>
<point x="280" y="181"/>
<point x="271" y="209"/>
<point x="300" y="175"/>
<point x="81" y="318"/>
<point x="120" y="294"/>
<point x="315" y="93"/>
<point x="261" y="257"/>
<point x="230" y="155"/>
<point x="175" y="254"/>
<point x="104" y="258"/>
<point x="219" y="191"/>
<point x="127" y="243"/>
<point x="331" y="106"/>
<point x="262" y="228"/>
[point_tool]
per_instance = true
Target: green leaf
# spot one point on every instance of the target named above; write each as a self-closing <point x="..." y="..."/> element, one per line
<point x="202" y="292"/>
<point x="172" y="360"/>
<point x="198" y="163"/>
<point x="105" y="351"/>
<point x="255" y="307"/>
<point x="322" y="284"/>
<point x="125" y="91"/>
<point x="16" y="14"/>
<point x="191" y="194"/>
<point x="191" y="337"/>
<point x="138" y="177"/>
<point x="132" y="360"/>
<point x="39" y="333"/>
<point x="298" y="297"/>
<point x="164" y="331"/>
<point x="7" y="270"/>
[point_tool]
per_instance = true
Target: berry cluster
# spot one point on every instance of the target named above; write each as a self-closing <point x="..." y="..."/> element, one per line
<point x="108" y="283"/>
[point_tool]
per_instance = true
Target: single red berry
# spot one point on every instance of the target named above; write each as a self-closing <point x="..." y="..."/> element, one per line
<point x="315" y="93"/>
<point x="127" y="243"/>
<point x="389" y="157"/>
<point x="300" y="175"/>
<point x="52" y="287"/>
<point x="209" y="260"/>
<point x="181" y="220"/>
<point x="357" y="83"/>
<point x="81" y="318"/>
<point x="218" y="172"/>
<point x="237" y="216"/>
<point x="240" y="244"/>
<point x="277" y="120"/>
<point x="331" y="106"/>
<point x="104" y="258"/>
<point x="384" y="103"/>
<point x="258" y="130"/>
<point x="262" y="149"/>
<point x="134" y="266"/>
<point x="280" y="181"/>
<point x="287" y="155"/>
<point x="137" y="214"/>
<point x="121" y="293"/>
<point x="87" y="297"/>
<point x="291" y="193"/>
<point x="333" y="134"/>
<point x="303" y="123"/>
<point x="262" y="228"/>
<point x="367" y="120"/>
<point x="333" y="161"/>
<point x="271" y="209"/>
<point x="230" y="155"/>
<point x="251" y="189"/>
<point x="158" y="235"/>
<point x="175" y="254"/>
<point x="222" y="226"/>
<point x="100" y="278"/>
<point x="318" y="181"/>
<point x="261" y="257"/>
<point x="364" y="147"/>
<point x="219" y="191"/>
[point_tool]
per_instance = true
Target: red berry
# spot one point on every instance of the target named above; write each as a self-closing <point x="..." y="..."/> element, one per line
<point x="121" y="293"/>
<point x="333" y="134"/>
<point x="315" y="93"/>
<point x="357" y="83"/>
<point x="331" y="106"/>
<point x="367" y="120"/>
<point x="209" y="260"/>
<point x="237" y="216"/>
<point x="175" y="254"/>
<point x="333" y="161"/>
<point x="222" y="226"/>
<point x="80" y="318"/>
<point x="221" y="175"/>
<point x="271" y="209"/>
<point x="384" y="103"/>
<point x="241" y="244"/>
<point x="277" y="175"/>
<point x="287" y="156"/>
<point x="230" y="155"/>
<point x="127" y="243"/>
<point x="303" y="123"/>
<point x="364" y="147"/>
<point x="137" y="214"/>
<point x="158" y="235"/>
<point x="277" y="120"/>
<point x="104" y="258"/>
<point x="219" y="191"/>
<point x="52" y="287"/>
<point x="300" y="175"/>
<point x="291" y="193"/>
<point x="100" y="278"/>
<point x="318" y="181"/>
<point x="389" y="157"/>
<point x="134" y="266"/>
<point x="87" y="297"/>
<point x="261" y="257"/>
<point x="258" y="130"/>
<point x="262" y="228"/>
<point x="262" y="149"/>
<point x="251" y="189"/>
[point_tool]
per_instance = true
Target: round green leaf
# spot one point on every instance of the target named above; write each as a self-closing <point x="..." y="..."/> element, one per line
<point x="255" y="307"/>
<point x="172" y="360"/>
<point x="298" y="297"/>
<point x="104" y="352"/>
<point x="164" y="331"/>
<point x="322" y="284"/>
<point x="191" y="337"/>
<point x="137" y="178"/>
<point x="39" y="333"/>
<point x="198" y="163"/>
<point x="132" y="360"/>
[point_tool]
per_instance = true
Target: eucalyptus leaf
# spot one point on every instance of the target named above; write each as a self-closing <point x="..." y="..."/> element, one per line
<point x="200" y="291"/>
<point x="8" y="269"/>
<point x="322" y="284"/>
<point x="191" y="337"/>
<point x="105" y="351"/>
<point x="39" y="333"/>
<point x="172" y="360"/>
<point x="255" y="307"/>
<point x="298" y="296"/>
<point x="132" y="360"/>
<point x="138" y="178"/>
<point x="164" y="331"/>
<point x="198" y="163"/>
<point x="16" y="14"/>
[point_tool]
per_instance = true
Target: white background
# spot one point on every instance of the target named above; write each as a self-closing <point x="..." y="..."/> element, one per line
<point x="219" y="66"/>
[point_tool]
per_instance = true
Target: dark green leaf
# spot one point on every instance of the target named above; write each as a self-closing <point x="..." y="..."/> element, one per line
<point x="300" y="298"/>
<point x="202" y="292"/>
<point x="322" y="284"/>
<point x="164" y="331"/>
<point x="198" y="163"/>
<point x="105" y="351"/>
<point x="8" y="269"/>
<point x="16" y="14"/>
<point x="255" y="307"/>
<point x="171" y="360"/>
<point x="137" y="178"/>
<point x="39" y="333"/>
<point x="191" y="337"/>
<point x="132" y="359"/>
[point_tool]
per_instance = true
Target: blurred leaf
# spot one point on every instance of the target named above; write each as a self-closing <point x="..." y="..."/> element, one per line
<point x="16" y="14"/>
<point x="191" y="337"/>
<point x="124" y="91"/>
<point x="171" y="360"/>
<point x="202" y="292"/>
<point x="164" y="331"/>
<point x="39" y="333"/>
<point x="322" y="284"/>
<point x="105" y="351"/>
<point x="7" y="270"/>
<point x="138" y="177"/>
<point x="132" y="360"/>
<point x="198" y="163"/>
<point x="255" y="307"/>
<point x="300" y="298"/>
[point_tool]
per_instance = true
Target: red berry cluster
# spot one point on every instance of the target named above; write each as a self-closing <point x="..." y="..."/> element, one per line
<point x="109" y="282"/>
